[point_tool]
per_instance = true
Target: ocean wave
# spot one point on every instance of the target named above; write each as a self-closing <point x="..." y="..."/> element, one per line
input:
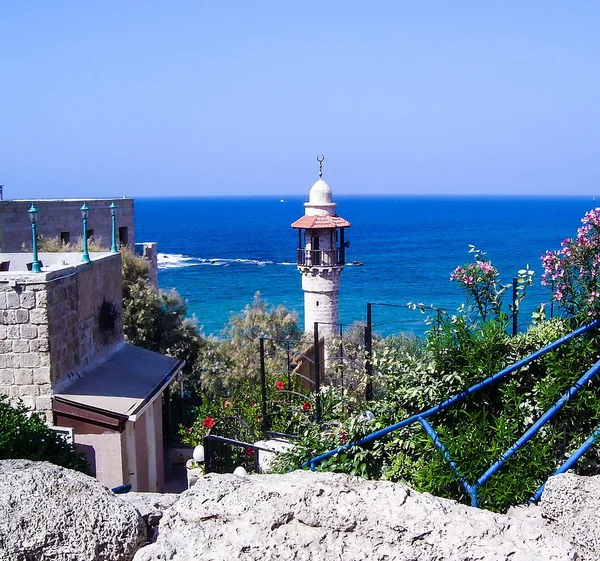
<point x="177" y="260"/>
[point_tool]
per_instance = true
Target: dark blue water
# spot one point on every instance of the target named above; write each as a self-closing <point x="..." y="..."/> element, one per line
<point x="219" y="252"/>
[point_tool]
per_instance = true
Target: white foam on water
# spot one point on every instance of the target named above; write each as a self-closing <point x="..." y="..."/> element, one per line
<point x="178" y="260"/>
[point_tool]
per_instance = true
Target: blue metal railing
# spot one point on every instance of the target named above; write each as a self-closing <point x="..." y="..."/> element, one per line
<point x="421" y="417"/>
<point x="569" y="463"/>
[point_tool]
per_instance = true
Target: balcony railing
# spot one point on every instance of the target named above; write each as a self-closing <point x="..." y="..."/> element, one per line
<point x="321" y="258"/>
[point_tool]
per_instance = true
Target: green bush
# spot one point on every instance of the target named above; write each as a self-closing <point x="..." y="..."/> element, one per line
<point x="25" y="435"/>
<point x="413" y="375"/>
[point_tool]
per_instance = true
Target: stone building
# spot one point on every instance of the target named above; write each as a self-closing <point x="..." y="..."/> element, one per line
<point x="62" y="218"/>
<point x="321" y="257"/>
<point x="63" y="353"/>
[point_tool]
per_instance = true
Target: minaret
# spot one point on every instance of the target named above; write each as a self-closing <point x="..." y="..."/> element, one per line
<point x="321" y="256"/>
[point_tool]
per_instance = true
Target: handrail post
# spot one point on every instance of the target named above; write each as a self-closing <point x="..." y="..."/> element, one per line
<point x="317" y="372"/>
<point x="263" y="385"/>
<point x="341" y="351"/>
<point x="515" y="312"/>
<point x="289" y="370"/>
<point x="369" y="354"/>
<point x="208" y="455"/>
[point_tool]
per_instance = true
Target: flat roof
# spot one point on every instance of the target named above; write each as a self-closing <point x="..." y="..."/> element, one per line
<point x="17" y="265"/>
<point x="89" y="200"/>
<point x="123" y="383"/>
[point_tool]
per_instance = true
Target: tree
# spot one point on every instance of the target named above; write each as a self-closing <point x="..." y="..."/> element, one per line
<point x="157" y="320"/>
<point x="235" y="359"/>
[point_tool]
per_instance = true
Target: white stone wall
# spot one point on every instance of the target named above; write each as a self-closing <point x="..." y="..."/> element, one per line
<point x="321" y="291"/>
<point x="24" y="345"/>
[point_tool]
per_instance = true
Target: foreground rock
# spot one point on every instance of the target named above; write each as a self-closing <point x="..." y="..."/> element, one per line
<point x="52" y="513"/>
<point x="570" y="506"/>
<point x="307" y="516"/>
<point x="151" y="506"/>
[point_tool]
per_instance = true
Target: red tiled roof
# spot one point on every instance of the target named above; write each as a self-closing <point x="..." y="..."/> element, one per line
<point x="321" y="222"/>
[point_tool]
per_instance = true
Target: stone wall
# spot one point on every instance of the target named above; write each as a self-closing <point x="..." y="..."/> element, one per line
<point x="78" y="336"/>
<point x="149" y="251"/>
<point x="51" y="329"/>
<point x="58" y="217"/>
<point x="24" y="344"/>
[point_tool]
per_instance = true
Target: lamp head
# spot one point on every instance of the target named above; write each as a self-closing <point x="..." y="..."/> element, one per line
<point x="113" y="208"/>
<point x="33" y="212"/>
<point x="85" y="210"/>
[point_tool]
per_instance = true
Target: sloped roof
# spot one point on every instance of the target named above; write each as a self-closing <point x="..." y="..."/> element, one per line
<point x="123" y="383"/>
<point x="321" y="222"/>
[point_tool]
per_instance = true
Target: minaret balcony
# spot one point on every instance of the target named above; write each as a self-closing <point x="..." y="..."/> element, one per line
<point x="321" y="258"/>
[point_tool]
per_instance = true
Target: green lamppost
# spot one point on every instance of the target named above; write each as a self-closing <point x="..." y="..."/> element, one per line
<point x="85" y="210"/>
<point x="36" y="265"/>
<point x="113" y="217"/>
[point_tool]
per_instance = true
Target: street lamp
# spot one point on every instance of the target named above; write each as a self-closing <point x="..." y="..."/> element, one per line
<point x="113" y="217"/>
<point x="85" y="210"/>
<point x="36" y="265"/>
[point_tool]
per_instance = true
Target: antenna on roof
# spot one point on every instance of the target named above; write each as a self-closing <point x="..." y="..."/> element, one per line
<point x="320" y="159"/>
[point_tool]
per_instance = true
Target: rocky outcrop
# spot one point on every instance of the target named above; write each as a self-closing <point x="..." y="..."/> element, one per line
<point x="151" y="506"/>
<point x="570" y="507"/>
<point x="321" y="516"/>
<point x="52" y="513"/>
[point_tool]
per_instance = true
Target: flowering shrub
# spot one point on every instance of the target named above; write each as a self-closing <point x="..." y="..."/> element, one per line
<point x="235" y="417"/>
<point x="239" y="415"/>
<point x="479" y="281"/>
<point x="573" y="272"/>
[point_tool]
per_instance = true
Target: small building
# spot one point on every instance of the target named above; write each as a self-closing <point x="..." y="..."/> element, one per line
<point x="61" y="218"/>
<point x="62" y="351"/>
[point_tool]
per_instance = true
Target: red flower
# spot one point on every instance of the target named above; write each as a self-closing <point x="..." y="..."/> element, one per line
<point x="249" y="452"/>
<point x="279" y="385"/>
<point x="227" y="404"/>
<point x="209" y="422"/>
<point x="306" y="406"/>
<point x="343" y="436"/>
<point x="259" y="419"/>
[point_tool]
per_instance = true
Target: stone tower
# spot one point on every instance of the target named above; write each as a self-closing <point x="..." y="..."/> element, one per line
<point x="321" y="256"/>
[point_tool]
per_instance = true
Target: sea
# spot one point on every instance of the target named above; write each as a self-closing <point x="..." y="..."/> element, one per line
<point x="218" y="252"/>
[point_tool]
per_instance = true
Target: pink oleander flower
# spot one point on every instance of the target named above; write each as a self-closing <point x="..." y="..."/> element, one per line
<point x="592" y="217"/>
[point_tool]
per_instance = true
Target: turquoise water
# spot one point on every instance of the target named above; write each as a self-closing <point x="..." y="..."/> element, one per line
<point x="218" y="252"/>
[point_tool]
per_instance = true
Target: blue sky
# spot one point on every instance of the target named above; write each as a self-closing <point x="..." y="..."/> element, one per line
<point x="148" y="98"/>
